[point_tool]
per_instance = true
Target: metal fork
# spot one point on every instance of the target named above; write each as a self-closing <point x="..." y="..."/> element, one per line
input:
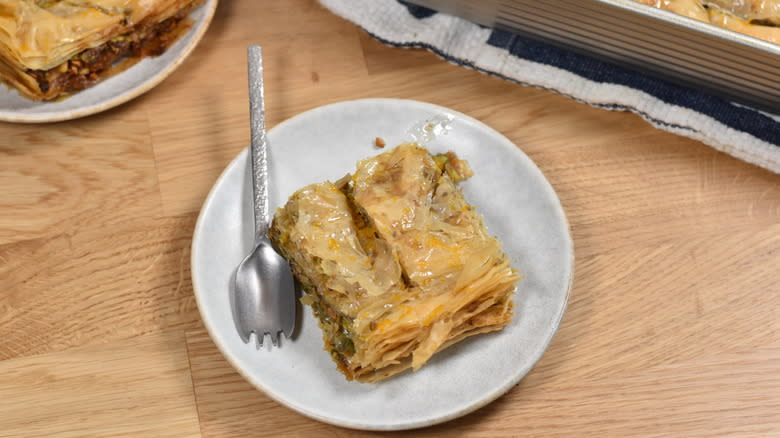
<point x="264" y="292"/>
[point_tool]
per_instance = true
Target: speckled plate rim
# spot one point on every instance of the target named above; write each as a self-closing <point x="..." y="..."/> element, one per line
<point x="200" y="27"/>
<point x="488" y="398"/>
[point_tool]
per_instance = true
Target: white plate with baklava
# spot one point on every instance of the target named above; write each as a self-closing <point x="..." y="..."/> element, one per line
<point x="60" y="60"/>
<point x="434" y="261"/>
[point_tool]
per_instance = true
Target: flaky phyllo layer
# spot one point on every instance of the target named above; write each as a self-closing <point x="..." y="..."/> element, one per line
<point x="395" y="263"/>
<point x="50" y="48"/>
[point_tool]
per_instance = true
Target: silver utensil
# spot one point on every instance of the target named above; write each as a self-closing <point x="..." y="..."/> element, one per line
<point x="264" y="292"/>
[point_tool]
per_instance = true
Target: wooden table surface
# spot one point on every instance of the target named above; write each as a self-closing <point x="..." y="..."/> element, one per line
<point x="673" y="328"/>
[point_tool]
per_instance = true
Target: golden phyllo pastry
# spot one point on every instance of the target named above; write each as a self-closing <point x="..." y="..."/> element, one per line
<point x="394" y="262"/>
<point x="757" y="18"/>
<point x="51" y="48"/>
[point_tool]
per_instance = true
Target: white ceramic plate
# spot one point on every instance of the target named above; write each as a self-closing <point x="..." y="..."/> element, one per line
<point x="113" y="91"/>
<point x="519" y="206"/>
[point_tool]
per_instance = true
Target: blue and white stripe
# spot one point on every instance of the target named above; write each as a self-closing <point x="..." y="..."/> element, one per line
<point x="745" y="133"/>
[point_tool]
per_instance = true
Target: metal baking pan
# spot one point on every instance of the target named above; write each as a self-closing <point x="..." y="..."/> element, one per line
<point x="699" y="55"/>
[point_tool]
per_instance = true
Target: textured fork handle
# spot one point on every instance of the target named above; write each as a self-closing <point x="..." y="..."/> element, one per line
<point x="259" y="148"/>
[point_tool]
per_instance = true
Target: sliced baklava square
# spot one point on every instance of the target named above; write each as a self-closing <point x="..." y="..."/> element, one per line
<point x="394" y="262"/>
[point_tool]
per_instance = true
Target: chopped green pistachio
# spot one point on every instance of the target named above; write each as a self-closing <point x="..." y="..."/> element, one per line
<point x="440" y="160"/>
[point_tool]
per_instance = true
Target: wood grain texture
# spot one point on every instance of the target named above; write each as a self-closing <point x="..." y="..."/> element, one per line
<point x="79" y="175"/>
<point x="673" y="328"/>
<point x="96" y="284"/>
<point x="140" y="387"/>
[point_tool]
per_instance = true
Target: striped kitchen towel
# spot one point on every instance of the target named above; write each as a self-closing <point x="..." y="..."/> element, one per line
<point x="745" y="133"/>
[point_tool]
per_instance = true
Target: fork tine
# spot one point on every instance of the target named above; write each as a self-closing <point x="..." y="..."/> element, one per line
<point x="245" y="334"/>
<point x="274" y="338"/>
<point x="259" y="336"/>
